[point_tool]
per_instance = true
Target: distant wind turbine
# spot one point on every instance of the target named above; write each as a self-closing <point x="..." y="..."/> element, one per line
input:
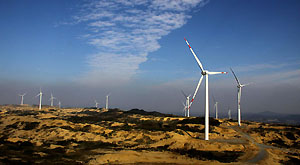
<point x="215" y="106"/>
<point x="204" y="73"/>
<point x="51" y="99"/>
<point x="59" y="104"/>
<point x="22" y="98"/>
<point x="239" y="95"/>
<point x="106" y="105"/>
<point x="96" y="104"/>
<point x="40" y="94"/>
<point x="187" y="103"/>
<point x="229" y="114"/>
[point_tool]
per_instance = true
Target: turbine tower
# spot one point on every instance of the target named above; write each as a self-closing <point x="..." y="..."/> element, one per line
<point x="51" y="99"/>
<point x="40" y="94"/>
<point x="239" y="94"/>
<point x="106" y="105"/>
<point x="187" y="104"/>
<point x="184" y="109"/>
<point x="229" y="114"/>
<point x="96" y="104"/>
<point x="22" y="98"/>
<point x="215" y="106"/>
<point x="204" y="73"/>
<point x="59" y="104"/>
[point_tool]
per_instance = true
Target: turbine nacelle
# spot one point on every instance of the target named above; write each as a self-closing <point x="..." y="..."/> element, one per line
<point x="242" y="85"/>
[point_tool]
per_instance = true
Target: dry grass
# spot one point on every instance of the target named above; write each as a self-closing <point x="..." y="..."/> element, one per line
<point x="94" y="136"/>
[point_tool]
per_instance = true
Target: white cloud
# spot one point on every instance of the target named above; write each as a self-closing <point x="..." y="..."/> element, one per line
<point x="178" y="5"/>
<point x="125" y="31"/>
<point x="101" y="24"/>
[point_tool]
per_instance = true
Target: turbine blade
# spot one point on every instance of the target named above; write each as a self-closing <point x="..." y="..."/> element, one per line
<point x="213" y="98"/>
<point x="183" y="93"/>
<point x="198" y="61"/>
<point x="247" y="84"/>
<point x="237" y="80"/>
<point x="216" y="72"/>
<point x="199" y="83"/>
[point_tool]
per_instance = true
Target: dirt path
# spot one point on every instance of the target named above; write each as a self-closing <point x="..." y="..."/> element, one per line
<point x="262" y="153"/>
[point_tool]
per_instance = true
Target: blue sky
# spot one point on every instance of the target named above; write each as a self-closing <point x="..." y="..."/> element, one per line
<point x="135" y="49"/>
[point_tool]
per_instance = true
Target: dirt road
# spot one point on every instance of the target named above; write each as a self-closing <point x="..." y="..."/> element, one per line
<point x="262" y="154"/>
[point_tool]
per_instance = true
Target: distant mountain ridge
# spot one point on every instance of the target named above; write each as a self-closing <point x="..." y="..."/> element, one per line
<point x="273" y="117"/>
<point x="152" y="113"/>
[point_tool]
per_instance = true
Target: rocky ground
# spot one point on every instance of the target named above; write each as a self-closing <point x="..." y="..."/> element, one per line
<point x="100" y="136"/>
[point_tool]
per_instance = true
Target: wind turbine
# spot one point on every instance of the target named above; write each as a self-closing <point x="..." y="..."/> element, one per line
<point x="187" y="103"/>
<point x="215" y="106"/>
<point x="22" y="98"/>
<point x="59" y="104"/>
<point x="239" y="86"/>
<point x="40" y="94"/>
<point x="96" y="104"/>
<point x="204" y="73"/>
<point x="106" y="105"/>
<point x="51" y="99"/>
<point x="229" y="114"/>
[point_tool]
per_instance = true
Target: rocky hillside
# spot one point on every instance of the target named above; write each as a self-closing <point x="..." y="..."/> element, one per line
<point x="100" y="136"/>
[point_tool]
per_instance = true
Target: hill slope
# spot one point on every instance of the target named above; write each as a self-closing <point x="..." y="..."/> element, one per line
<point x="94" y="136"/>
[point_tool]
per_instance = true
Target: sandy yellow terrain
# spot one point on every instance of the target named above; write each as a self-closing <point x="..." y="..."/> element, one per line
<point x="100" y="136"/>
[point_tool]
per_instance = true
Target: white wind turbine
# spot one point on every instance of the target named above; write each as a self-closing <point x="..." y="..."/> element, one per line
<point x="239" y="86"/>
<point x="51" y="99"/>
<point x="215" y="106"/>
<point x="40" y="94"/>
<point x="22" y="98"/>
<point x="96" y="104"/>
<point x="204" y="73"/>
<point x="106" y="105"/>
<point x="229" y="114"/>
<point x="59" y="104"/>
<point x="187" y="104"/>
